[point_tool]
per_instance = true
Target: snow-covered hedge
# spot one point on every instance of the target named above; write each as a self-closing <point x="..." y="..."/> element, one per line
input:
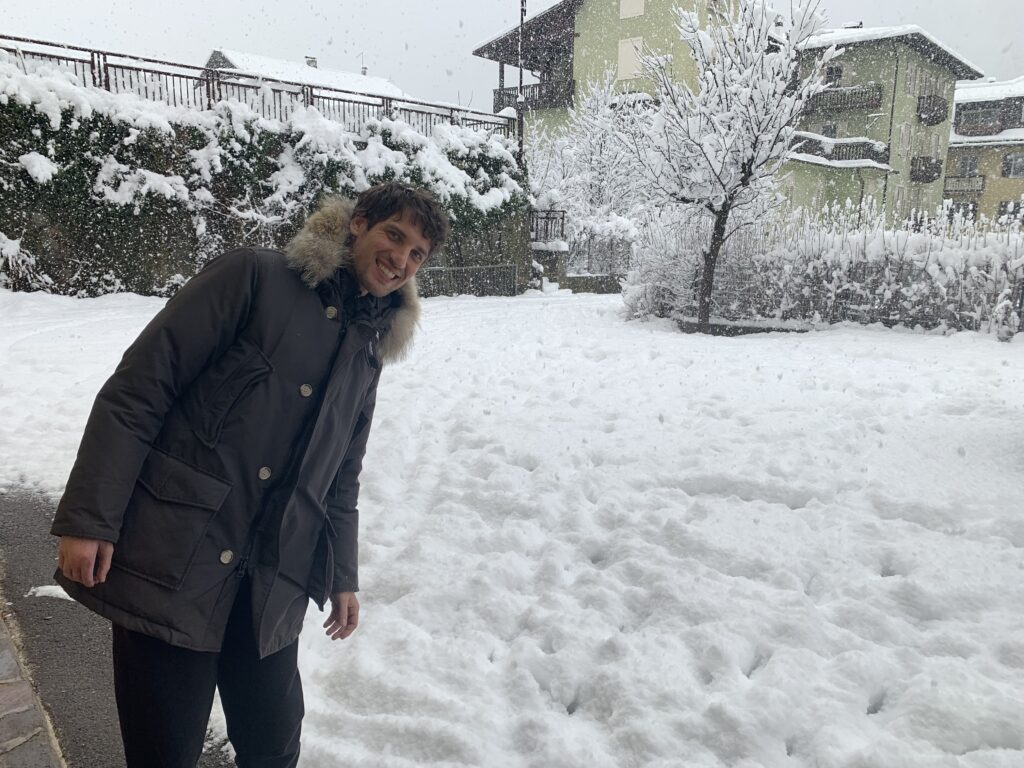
<point x="841" y="264"/>
<point x="102" y="192"/>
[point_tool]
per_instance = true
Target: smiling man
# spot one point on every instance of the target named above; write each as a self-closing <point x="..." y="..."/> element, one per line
<point x="215" y="489"/>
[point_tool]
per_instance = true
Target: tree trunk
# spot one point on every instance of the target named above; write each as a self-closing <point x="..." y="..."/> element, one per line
<point x="707" y="280"/>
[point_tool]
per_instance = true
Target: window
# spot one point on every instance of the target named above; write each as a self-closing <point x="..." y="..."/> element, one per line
<point x="629" y="58"/>
<point x="1013" y="165"/>
<point x="927" y="83"/>
<point x="899" y="202"/>
<point x="968" y="165"/>
<point x="915" y="198"/>
<point x="905" y="138"/>
<point x="911" y="82"/>
<point x="833" y="75"/>
<point x="831" y="130"/>
<point x="629" y="9"/>
<point x="936" y="147"/>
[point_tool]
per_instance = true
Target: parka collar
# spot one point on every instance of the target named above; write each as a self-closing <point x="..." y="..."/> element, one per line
<point x="319" y="250"/>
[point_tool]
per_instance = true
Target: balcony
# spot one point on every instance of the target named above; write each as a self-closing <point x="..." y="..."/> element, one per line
<point x="548" y="95"/>
<point x="840" y="149"/>
<point x="546" y="226"/>
<point x="965" y="185"/>
<point x="932" y="109"/>
<point x="925" y="170"/>
<point x="841" y="99"/>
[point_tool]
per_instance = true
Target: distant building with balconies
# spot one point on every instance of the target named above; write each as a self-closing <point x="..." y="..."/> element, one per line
<point x="881" y="127"/>
<point x="985" y="163"/>
<point x="879" y="130"/>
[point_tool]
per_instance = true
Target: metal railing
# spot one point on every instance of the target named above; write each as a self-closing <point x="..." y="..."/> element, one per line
<point x="494" y="280"/>
<point x="965" y="184"/>
<point x="184" y="85"/>
<point x="546" y="226"/>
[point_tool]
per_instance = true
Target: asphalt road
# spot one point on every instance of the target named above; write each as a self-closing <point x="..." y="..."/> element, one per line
<point x="67" y="648"/>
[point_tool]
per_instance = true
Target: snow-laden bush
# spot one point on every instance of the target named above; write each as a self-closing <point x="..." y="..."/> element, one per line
<point x="111" y="192"/>
<point x="842" y="263"/>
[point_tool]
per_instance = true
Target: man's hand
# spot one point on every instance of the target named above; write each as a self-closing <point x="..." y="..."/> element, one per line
<point x="344" y="616"/>
<point x="86" y="561"/>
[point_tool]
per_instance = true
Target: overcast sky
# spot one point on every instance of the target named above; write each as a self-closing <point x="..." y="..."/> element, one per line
<point x="425" y="46"/>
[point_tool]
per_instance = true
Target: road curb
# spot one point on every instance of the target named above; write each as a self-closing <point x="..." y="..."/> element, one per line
<point x="26" y="735"/>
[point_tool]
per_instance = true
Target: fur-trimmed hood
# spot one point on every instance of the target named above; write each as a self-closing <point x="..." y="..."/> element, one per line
<point x="319" y="249"/>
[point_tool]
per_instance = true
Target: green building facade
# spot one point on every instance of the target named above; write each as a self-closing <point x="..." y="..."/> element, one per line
<point x="880" y="131"/>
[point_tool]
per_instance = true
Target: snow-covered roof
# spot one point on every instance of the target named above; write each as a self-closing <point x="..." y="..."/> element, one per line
<point x="295" y="72"/>
<point x="989" y="90"/>
<point x="826" y="38"/>
<point x="531" y="18"/>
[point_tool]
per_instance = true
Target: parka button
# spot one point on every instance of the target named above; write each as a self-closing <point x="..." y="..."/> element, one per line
<point x="264" y="473"/>
<point x="227" y="556"/>
<point x="305" y="390"/>
<point x="331" y="312"/>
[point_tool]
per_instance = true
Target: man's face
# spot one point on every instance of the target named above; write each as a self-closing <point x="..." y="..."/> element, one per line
<point x="386" y="256"/>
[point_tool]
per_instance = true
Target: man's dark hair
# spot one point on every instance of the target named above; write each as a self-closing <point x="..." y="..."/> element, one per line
<point x="386" y="200"/>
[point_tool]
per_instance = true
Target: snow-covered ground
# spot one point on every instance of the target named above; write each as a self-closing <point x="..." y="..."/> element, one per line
<point x="595" y="543"/>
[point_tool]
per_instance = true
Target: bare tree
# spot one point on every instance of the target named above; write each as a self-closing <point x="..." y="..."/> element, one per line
<point x="715" y="147"/>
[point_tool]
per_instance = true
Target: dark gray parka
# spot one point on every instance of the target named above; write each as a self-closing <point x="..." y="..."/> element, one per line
<point x="229" y="442"/>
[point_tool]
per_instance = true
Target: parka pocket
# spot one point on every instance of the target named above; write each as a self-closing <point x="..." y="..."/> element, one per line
<point x="167" y="519"/>
<point x="231" y="377"/>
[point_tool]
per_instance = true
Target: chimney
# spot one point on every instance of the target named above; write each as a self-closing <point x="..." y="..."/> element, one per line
<point x="311" y="61"/>
<point x="853" y="25"/>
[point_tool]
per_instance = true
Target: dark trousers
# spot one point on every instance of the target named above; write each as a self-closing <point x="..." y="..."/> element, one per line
<point x="165" y="693"/>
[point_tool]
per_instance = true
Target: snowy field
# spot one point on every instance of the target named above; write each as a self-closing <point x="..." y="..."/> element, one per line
<point x="595" y="543"/>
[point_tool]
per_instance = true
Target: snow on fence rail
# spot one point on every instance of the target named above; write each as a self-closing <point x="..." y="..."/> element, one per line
<point x="193" y="87"/>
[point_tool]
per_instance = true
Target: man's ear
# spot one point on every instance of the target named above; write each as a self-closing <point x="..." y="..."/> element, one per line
<point x="357" y="225"/>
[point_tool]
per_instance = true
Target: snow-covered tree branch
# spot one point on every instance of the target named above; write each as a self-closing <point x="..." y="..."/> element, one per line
<point x="717" y="145"/>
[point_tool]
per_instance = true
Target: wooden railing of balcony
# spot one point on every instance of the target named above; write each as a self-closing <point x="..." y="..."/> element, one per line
<point x="841" y="150"/>
<point x="839" y="99"/>
<point x="548" y="95"/>
<point x="932" y="109"/>
<point x="194" y="87"/>
<point x="965" y="184"/>
<point x="924" y="169"/>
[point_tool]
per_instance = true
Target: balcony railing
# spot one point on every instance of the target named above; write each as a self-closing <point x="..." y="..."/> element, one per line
<point x="932" y="109"/>
<point x="969" y="185"/>
<point x="839" y="99"/>
<point x="546" y="226"/>
<point x="924" y="169"/>
<point x="837" y="149"/>
<point x="548" y="95"/>
<point x="200" y="88"/>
